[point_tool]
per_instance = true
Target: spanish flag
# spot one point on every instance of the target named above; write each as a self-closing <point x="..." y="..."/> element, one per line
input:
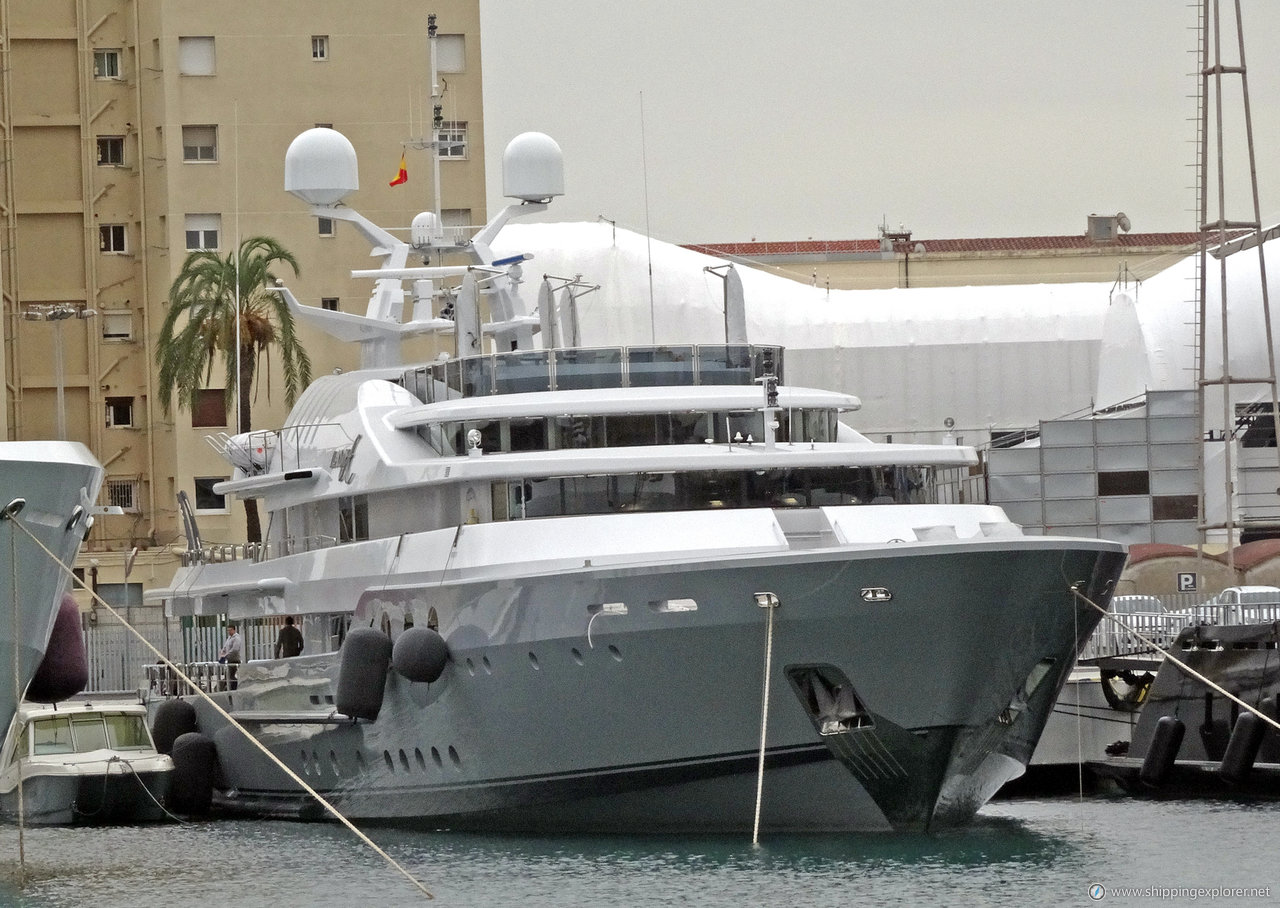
<point x="403" y="175"/>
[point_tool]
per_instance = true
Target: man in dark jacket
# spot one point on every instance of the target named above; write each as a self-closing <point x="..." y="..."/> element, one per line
<point x="289" y="641"/>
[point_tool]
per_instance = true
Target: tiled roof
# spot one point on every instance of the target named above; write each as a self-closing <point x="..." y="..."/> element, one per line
<point x="1080" y="242"/>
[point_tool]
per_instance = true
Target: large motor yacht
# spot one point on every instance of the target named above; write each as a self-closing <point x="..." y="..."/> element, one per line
<point x="551" y="586"/>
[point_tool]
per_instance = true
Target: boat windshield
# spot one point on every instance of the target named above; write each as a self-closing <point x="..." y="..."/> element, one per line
<point x="85" y="733"/>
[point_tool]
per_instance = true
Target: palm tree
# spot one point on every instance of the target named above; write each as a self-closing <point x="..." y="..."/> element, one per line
<point x="205" y="295"/>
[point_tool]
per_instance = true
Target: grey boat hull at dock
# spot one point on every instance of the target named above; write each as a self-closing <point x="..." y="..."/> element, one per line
<point x="554" y="715"/>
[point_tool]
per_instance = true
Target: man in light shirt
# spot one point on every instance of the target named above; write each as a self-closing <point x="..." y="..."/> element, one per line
<point x="231" y="653"/>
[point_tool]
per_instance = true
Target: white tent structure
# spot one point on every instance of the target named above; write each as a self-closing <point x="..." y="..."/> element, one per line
<point x="997" y="357"/>
<point x="988" y="359"/>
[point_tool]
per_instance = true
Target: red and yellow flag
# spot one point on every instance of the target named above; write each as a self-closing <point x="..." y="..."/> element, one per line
<point x="403" y="175"/>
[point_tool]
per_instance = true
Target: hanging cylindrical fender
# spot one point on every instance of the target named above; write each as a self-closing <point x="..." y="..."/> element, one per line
<point x="64" y="670"/>
<point x="362" y="673"/>
<point x="195" y="760"/>
<point x="173" y="719"/>
<point x="1163" y="751"/>
<point x="1242" y="749"/>
<point x="420" y="654"/>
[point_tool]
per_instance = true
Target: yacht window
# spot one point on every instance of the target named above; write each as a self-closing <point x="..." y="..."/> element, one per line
<point x="90" y="733"/>
<point x="24" y="744"/>
<point x="526" y="435"/>
<point x="127" y="733"/>
<point x="477" y="376"/>
<point x="53" y="736"/>
<point x="696" y="490"/>
<point x="649" y="367"/>
<point x="571" y="432"/>
<point x="589" y="368"/>
<point x="524" y="370"/>
<point x="728" y="364"/>
<point x="353" y="518"/>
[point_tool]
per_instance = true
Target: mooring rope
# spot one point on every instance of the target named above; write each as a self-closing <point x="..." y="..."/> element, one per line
<point x="1174" y="659"/>
<point x="770" y="604"/>
<point x="227" y="716"/>
<point x="10" y="516"/>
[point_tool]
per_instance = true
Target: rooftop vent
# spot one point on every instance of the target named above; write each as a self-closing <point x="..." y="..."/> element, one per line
<point x="1106" y="228"/>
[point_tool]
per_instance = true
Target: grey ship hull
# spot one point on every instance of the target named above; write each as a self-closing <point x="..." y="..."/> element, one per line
<point x="58" y="481"/>
<point x="549" y="719"/>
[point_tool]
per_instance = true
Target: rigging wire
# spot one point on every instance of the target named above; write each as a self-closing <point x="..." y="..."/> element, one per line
<point x="227" y="716"/>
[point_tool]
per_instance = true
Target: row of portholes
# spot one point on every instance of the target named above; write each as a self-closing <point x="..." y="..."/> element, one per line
<point x="311" y="764"/>
<point x="577" y="656"/>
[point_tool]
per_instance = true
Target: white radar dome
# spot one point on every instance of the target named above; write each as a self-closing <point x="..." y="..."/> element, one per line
<point x="426" y="229"/>
<point x="532" y="168"/>
<point x="320" y="167"/>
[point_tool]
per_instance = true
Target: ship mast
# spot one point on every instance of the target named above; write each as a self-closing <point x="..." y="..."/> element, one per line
<point x="1214" y="241"/>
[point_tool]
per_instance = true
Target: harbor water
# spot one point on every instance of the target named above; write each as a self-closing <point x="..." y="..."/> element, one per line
<point x="1051" y="851"/>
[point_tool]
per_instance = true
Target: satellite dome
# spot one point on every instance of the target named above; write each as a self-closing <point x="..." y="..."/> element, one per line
<point x="532" y="168"/>
<point x="320" y="167"/>
<point x="426" y="229"/>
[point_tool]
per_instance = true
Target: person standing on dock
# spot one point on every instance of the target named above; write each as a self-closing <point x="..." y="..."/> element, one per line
<point x="231" y="653"/>
<point x="289" y="640"/>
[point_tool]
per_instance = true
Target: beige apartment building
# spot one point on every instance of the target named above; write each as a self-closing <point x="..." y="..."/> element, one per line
<point x="134" y="131"/>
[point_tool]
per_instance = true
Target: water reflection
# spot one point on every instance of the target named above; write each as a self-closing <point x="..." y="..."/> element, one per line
<point x="1017" y="853"/>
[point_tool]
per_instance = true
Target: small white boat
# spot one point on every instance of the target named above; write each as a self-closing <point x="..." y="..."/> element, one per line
<point x="83" y="764"/>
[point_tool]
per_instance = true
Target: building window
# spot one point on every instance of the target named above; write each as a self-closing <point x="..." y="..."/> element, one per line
<point x="199" y="143"/>
<point x="123" y="494"/>
<point x="117" y="324"/>
<point x="119" y="412"/>
<point x="325" y="226"/>
<point x="319" y="47"/>
<point x="111" y="238"/>
<point x="201" y="231"/>
<point x="106" y="63"/>
<point x="451" y="54"/>
<point x="110" y="151"/>
<point x="195" y="56"/>
<point x="457" y="223"/>
<point x="1175" y="507"/>
<point x="329" y="302"/>
<point x="206" y="498"/>
<point x="210" y="409"/>
<point x="453" y="140"/>
<point x="1124" y="482"/>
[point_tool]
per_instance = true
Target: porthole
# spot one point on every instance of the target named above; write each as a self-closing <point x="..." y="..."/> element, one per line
<point x="615" y="652"/>
<point x="391" y="764"/>
<point x="435" y="757"/>
<point x="417" y="756"/>
<point x="488" y="669"/>
<point x="533" y="660"/>
<point x="577" y="655"/>
<point x="471" y="667"/>
<point x="453" y="756"/>
<point x="404" y="761"/>
<point x="333" y="762"/>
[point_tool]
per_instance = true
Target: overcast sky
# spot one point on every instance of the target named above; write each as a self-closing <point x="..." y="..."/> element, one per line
<point x="782" y="121"/>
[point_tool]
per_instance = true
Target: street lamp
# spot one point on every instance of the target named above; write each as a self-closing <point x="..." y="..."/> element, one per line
<point x="58" y="312"/>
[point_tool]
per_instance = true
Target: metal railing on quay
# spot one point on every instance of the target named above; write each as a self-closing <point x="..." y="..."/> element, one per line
<point x="210" y="677"/>
<point x="1177" y="612"/>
